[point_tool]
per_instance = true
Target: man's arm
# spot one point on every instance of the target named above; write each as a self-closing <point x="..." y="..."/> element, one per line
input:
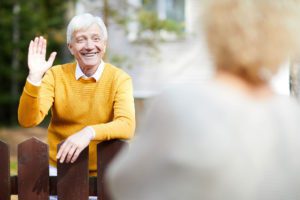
<point x="122" y="126"/>
<point x="33" y="106"/>
<point x="36" y="101"/>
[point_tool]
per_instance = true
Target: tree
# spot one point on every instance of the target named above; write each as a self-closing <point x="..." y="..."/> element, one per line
<point x="21" y="21"/>
<point x="140" y="21"/>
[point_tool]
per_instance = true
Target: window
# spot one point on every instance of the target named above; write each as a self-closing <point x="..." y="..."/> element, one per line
<point x="166" y="9"/>
<point x="157" y="19"/>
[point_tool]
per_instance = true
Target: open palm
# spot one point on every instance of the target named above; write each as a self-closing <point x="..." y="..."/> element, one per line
<point x="37" y="63"/>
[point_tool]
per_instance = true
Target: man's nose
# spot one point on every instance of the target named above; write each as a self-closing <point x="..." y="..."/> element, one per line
<point x="89" y="44"/>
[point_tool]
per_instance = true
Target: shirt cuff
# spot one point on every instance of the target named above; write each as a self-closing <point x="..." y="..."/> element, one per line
<point x="34" y="83"/>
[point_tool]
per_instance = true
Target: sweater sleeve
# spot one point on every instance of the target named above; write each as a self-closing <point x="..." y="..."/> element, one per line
<point x="36" y="101"/>
<point x="123" y="124"/>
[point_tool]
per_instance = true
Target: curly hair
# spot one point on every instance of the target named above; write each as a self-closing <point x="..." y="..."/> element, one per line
<point x="251" y="38"/>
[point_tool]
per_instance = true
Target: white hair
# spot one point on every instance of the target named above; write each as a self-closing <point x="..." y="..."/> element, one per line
<point x="84" y="21"/>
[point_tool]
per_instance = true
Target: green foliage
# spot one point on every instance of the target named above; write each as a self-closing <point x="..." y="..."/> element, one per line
<point x="13" y="167"/>
<point x="33" y="18"/>
<point x="120" y="60"/>
<point x="149" y="20"/>
<point x="173" y="26"/>
<point x="153" y="30"/>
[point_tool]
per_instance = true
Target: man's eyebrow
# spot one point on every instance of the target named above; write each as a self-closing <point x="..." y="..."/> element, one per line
<point x="80" y="37"/>
<point x="97" y="34"/>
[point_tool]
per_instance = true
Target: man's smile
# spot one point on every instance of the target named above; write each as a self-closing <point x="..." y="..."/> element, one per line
<point x="89" y="54"/>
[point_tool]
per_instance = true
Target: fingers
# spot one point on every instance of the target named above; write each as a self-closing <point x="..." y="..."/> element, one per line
<point x="35" y="45"/>
<point x="70" y="153"/>
<point x="72" y="147"/>
<point x="30" y="48"/>
<point x="76" y="154"/>
<point x="63" y="151"/>
<point x="43" y="46"/>
<point x="38" y="46"/>
<point x="51" y="58"/>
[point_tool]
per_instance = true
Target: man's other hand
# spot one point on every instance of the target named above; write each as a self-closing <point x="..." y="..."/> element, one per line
<point x="74" y="145"/>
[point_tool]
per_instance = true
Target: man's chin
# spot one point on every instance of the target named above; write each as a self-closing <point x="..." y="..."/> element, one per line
<point x="90" y="65"/>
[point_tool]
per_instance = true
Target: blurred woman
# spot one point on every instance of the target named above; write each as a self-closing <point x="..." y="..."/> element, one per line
<point x="233" y="138"/>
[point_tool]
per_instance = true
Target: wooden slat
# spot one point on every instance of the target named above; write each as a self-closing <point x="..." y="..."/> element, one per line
<point x="52" y="185"/>
<point x="93" y="186"/>
<point x="33" y="170"/>
<point x="73" y="178"/>
<point x="4" y="172"/>
<point x="14" y="185"/>
<point x="106" y="151"/>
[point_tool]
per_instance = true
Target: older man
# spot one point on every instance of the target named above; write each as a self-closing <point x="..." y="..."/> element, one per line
<point x="90" y="100"/>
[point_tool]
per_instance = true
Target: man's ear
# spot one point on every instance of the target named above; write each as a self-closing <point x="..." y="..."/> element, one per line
<point x="104" y="48"/>
<point x="70" y="48"/>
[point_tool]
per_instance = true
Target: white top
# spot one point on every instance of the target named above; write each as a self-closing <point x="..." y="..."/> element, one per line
<point x="96" y="75"/>
<point x="210" y="143"/>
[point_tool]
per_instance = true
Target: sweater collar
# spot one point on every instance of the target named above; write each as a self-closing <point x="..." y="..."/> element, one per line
<point x="79" y="74"/>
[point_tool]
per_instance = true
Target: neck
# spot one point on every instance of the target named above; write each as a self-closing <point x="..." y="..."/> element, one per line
<point x="241" y="85"/>
<point x="89" y="71"/>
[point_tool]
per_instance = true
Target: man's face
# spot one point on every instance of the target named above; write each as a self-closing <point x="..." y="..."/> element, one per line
<point x="88" y="46"/>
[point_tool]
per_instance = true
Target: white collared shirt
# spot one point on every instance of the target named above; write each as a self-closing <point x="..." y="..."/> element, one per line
<point x="96" y="75"/>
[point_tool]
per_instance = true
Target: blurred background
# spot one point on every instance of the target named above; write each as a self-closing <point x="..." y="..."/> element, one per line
<point x="158" y="42"/>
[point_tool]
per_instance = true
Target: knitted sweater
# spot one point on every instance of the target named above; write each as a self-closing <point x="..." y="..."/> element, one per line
<point x="106" y="105"/>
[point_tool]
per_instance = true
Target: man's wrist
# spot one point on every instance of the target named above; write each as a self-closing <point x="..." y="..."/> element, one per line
<point x="34" y="79"/>
<point x="91" y="132"/>
<point x="34" y="83"/>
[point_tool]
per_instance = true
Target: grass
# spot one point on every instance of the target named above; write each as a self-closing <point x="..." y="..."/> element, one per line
<point x="13" y="167"/>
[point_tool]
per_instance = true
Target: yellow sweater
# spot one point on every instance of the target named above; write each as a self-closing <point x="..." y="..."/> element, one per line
<point x="106" y="105"/>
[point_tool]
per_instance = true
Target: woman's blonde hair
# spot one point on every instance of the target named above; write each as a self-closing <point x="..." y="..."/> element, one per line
<point x="251" y="38"/>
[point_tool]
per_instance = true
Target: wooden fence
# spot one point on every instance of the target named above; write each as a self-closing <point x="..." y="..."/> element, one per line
<point x="72" y="181"/>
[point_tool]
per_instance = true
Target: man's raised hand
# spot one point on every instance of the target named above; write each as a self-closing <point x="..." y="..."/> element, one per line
<point x="37" y="63"/>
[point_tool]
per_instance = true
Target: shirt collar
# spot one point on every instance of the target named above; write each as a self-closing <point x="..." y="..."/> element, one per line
<point x="96" y="75"/>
